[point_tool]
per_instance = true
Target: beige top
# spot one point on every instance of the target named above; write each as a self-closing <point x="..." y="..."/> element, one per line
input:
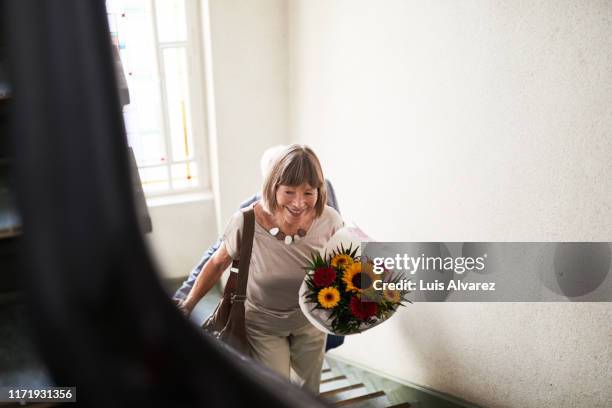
<point x="276" y="269"/>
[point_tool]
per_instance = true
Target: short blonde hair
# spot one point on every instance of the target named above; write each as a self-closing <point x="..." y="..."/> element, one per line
<point x="295" y="165"/>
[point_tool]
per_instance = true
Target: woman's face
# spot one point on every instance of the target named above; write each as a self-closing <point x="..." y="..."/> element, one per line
<point x="296" y="203"/>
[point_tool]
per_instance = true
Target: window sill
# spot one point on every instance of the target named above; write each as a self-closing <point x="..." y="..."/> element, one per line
<point x="174" y="199"/>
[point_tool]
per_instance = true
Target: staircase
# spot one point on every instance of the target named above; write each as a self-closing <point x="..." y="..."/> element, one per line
<point x="345" y="385"/>
<point x="342" y="390"/>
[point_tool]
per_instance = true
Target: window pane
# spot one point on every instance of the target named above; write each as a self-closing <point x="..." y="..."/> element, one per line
<point x="177" y="93"/>
<point x="184" y="175"/>
<point x="143" y="125"/>
<point x="134" y="35"/>
<point x="132" y="31"/>
<point x="171" y="24"/>
<point x="148" y="147"/>
<point x="154" y="179"/>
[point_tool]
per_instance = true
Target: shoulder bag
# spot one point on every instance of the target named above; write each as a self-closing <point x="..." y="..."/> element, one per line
<point x="227" y="321"/>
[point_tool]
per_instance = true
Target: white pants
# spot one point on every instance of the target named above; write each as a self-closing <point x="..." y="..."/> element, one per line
<point x="299" y="349"/>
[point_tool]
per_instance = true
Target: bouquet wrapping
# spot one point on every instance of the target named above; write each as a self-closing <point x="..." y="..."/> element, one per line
<point x="342" y="291"/>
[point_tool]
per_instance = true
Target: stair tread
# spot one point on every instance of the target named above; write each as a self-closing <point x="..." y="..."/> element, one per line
<point x="373" y="400"/>
<point x="333" y="385"/>
<point x="341" y="389"/>
<point x="360" y="398"/>
<point x="345" y="393"/>
<point x="327" y="375"/>
<point x="333" y="378"/>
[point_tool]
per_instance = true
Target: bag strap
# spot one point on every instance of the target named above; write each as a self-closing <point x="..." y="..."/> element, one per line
<point x="246" y="247"/>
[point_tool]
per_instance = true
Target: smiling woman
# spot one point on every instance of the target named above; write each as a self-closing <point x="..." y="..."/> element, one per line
<point x="297" y="168"/>
<point x="294" y="194"/>
<point x="291" y="221"/>
<point x="295" y="212"/>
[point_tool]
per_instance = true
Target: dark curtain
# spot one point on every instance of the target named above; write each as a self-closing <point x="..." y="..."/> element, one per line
<point x="102" y="320"/>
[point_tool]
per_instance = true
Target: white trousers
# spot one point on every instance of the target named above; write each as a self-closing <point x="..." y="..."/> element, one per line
<point x="300" y="350"/>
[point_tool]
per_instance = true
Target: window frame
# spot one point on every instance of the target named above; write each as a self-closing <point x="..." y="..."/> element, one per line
<point x="194" y="53"/>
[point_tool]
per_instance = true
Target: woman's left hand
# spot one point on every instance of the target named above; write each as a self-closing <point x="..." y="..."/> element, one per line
<point x="183" y="307"/>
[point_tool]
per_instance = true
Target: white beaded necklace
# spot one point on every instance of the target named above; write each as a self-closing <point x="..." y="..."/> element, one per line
<point x="289" y="239"/>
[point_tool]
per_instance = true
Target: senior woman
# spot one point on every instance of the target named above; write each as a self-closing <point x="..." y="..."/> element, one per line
<point x="293" y="205"/>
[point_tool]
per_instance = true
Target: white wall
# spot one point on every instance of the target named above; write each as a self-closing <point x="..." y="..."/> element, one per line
<point x="250" y="55"/>
<point x="181" y="233"/>
<point x="468" y="121"/>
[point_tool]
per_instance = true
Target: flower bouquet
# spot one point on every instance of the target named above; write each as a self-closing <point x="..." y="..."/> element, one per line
<point x="340" y="293"/>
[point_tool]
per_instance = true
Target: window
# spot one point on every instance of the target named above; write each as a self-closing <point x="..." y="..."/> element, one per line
<point x="158" y="44"/>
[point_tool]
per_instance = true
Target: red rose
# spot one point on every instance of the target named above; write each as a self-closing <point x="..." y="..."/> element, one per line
<point x="324" y="277"/>
<point x="362" y="310"/>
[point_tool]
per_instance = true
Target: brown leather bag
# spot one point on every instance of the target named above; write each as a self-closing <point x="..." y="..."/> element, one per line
<point x="227" y="321"/>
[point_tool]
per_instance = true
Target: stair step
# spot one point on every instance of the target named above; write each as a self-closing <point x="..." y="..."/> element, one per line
<point x="333" y="378"/>
<point x="376" y="399"/>
<point x="345" y="393"/>
<point x="333" y="385"/>
<point x="331" y="393"/>
<point x="326" y="375"/>
<point x="401" y="405"/>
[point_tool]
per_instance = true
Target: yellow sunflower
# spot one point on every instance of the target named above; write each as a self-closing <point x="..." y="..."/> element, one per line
<point x="341" y="261"/>
<point x="329" y="297"/>
<point x="359" y="278"/>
